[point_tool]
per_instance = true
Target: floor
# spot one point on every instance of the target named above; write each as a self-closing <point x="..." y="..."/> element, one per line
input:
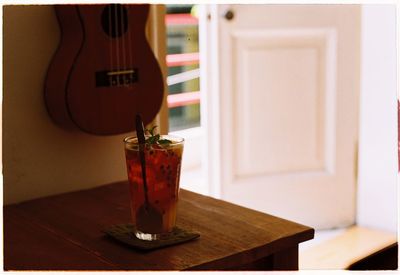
<point x="356" y="246"/>
<point x="320" y="237"/>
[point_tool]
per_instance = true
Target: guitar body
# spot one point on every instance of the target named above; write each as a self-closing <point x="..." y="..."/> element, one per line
<point x="104" y="71"/>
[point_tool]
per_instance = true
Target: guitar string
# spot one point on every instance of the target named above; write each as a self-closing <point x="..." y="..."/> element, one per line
<point x="116" y="36"/>
<point x="123" y="37"/>
<point x="130" y="49"/>
<point x="111" y="41"/>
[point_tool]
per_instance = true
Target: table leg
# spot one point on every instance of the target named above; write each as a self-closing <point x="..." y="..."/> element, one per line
<point x="287" y="259"/>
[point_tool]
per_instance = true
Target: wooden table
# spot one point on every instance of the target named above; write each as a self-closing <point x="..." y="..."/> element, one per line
<point x="64" y="232"/>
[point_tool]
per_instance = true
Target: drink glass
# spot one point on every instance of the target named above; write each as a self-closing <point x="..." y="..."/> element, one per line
<point x="163" y="168"/>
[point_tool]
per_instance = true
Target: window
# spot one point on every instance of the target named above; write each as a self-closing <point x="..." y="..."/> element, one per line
<point x="184" y="90"/>
<point x="183" y="67"/>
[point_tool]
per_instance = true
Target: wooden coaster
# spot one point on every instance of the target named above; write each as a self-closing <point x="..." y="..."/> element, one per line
<point x="124" y="233"/>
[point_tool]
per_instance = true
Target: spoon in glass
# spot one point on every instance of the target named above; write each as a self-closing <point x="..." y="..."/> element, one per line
<point x="148" y="219"/>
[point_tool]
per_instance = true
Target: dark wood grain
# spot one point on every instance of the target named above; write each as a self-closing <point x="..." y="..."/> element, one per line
<point x="29" y="247"/>
<point x="231" y="236"/>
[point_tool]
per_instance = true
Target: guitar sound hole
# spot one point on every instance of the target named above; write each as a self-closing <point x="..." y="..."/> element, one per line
<point x="114" y="20"/>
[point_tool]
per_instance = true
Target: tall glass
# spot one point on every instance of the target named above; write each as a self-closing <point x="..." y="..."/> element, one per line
<point x="163" y="167"/>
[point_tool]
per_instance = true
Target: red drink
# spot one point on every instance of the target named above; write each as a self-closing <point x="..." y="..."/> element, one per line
<point x="163" y="166"/>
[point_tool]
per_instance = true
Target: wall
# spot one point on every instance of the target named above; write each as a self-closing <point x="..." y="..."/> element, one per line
<point x="39" y="158"/>
<point x="378" y="187"/>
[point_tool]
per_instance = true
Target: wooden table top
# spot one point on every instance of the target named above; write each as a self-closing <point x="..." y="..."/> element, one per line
<point x="64" y="232"/>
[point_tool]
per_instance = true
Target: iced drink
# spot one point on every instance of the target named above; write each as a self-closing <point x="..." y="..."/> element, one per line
<point x="163" y="166"/>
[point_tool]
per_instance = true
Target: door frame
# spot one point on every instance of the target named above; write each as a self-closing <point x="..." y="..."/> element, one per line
<point x="378" y="177"/>
<point x="210" y="97"/>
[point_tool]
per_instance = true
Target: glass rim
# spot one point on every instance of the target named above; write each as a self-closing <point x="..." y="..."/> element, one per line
<point x="176" y="140"/>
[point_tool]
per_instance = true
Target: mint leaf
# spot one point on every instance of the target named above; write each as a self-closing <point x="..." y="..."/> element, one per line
<point x="153" y="139"/>
<point x="164" y="141"/>
<point x="151" y="131"/>
<point x="156" y="139"/>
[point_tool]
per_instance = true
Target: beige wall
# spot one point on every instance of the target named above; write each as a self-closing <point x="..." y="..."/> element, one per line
<point x="40" y="158"/>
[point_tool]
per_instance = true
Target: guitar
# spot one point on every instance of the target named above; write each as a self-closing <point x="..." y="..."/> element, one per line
<point x="104" y="71"/>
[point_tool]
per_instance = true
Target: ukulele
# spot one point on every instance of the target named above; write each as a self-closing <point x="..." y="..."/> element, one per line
<point x="104" y="71"/>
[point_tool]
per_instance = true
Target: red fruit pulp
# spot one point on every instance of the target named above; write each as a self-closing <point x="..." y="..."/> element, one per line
<point x="163" y="165"/>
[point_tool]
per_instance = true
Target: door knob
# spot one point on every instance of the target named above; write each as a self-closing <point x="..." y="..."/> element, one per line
<point x="229" y="15"/>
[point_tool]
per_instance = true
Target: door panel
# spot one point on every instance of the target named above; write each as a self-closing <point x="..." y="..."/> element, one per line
<point x="291" y="141"/>
<point x="288" y="95"/>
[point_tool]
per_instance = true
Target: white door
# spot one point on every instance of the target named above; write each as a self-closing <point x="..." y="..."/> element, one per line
<point x="282" y="97"/>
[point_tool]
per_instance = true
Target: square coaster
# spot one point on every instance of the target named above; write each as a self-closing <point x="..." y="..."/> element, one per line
<point x="124" y="233"/>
